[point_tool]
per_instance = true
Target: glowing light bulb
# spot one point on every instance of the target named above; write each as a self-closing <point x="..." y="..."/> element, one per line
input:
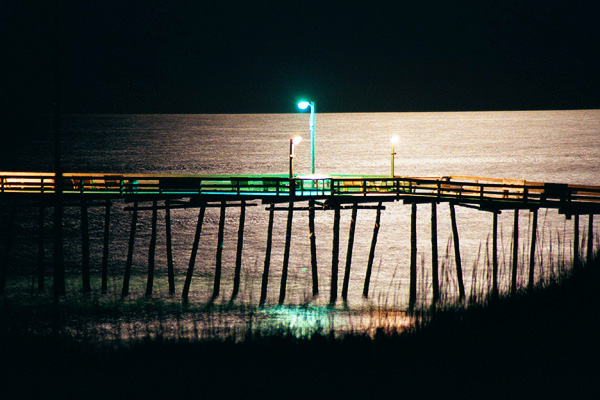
<point x="303" y="105"/>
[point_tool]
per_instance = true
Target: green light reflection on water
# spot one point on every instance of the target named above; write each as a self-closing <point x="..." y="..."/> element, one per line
<point x="302" y="322"/>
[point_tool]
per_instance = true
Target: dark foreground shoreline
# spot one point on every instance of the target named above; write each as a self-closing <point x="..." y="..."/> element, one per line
<point x="541" y="345"/>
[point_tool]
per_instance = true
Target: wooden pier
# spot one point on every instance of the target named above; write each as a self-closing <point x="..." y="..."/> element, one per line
<point x="280" y="193"/>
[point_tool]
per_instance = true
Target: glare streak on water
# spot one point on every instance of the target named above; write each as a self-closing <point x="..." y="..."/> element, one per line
<point x="543" y="146"/>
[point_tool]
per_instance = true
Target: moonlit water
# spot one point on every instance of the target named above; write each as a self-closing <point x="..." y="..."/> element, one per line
<point x="545" y="146"/>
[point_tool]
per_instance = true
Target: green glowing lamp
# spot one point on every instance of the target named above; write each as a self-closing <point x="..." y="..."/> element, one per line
<point x="303" y="105"/>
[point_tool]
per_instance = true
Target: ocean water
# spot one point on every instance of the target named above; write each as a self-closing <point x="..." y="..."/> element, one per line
<point x="541" y="146"/>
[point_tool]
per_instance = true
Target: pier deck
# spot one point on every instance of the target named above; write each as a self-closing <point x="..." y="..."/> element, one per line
<point x="485" y="193"/>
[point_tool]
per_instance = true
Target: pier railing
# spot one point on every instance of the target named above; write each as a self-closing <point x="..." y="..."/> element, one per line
<point x="459" y="188"/>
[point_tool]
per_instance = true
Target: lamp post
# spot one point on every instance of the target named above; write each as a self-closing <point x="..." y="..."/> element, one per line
<point x="393" y="141"/>
<point x="293" y="143"/>
<point x="303" y="105"/>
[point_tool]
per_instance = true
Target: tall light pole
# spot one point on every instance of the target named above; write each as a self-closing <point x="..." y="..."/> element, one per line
<point x="303" y="105"/>
<point x="293" y="143"/>
<point x="393" y="141"/>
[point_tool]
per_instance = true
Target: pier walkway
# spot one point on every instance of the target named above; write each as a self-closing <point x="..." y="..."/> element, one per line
<point x="485" y="193"/>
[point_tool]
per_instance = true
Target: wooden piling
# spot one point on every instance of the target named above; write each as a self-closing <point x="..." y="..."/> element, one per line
<point x="240" y="246"/>
<point x="495" y="256"/>
<point x="129" y="261"/>
<point x="435" y="285"/>
<point x="104" y="272"/>
<point x="286" y="254"/>
<point x="590" y="238"/>
<point x="335" y="255"/>
<point x="576" y="263"/>
<point x="85" y="248"/>
<point x="190" y="270"/>
<point x="532" y="250"/>
<point x="349" y="252"/>
<point x="219" y="256"/>
<point x="313" y="248"/>
<point x="412" y="296"/>
<point x="456" y="241"/>
<point x="40" y="269"/>
<point x="372" y="252"/>
<point x="515" y="254"/>
<point x="265" y="277"/>
<point x="152" y="251"/>
<point x="168" y="242"/>
<point x="7" y="248"/>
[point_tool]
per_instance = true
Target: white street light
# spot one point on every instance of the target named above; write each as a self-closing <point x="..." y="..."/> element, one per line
<point x="303" y="105"/>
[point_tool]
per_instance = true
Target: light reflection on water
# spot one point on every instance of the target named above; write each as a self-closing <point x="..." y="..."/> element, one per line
<point x="238" y="326"/>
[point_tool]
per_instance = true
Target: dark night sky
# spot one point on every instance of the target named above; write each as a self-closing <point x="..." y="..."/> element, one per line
<point x="259" y="56"/>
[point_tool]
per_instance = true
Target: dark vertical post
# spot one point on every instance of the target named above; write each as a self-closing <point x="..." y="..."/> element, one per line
<point x="349" y="252"/>
<point x="190" y="271"/>
<point x="313" y="247"/>
<point x="335" y="254"/>
<point x="7" y="247"/>
<point x="265" y="277"/>
<point x="85" y="247"/>
<point x="286" y="254"/>
<point x="495" y="256"/>
<point x="372" y="252"/>
<point x="412" y="296"/>
<point x="240" y="246"/>
<point x="41" y="248"/>
<point x="515" y="254"/>
<point x="576" y="264"/>
<point x="532" y="250"/>
<point x="456" y="240"/>
<point x="152" y="251"/>
<point x="590" y="243"/>
<point x="435" y="285"/>
<point x="219" y="256"/>
<point x="129" y="261"/>
<point x="104" y="284"/>
<point x="170" y="267"/>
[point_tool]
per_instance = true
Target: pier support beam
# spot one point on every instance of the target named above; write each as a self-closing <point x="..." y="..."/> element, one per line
<point x="190" y="271"/>
<point x="286" y="253"/>
<point x="129" y="262"/>
<point x="219" y="255"/>
<point x="170" y="266"/>
<point x="58" y="286"/>
<point x="104" y="272"/>
<point x="456" y="241"/>
<point x="590" y="238"/>
<point x="313" y="248"/>
<point x="265" y="277"/>
<point x="532" y="250"/>
<point x="349" y="252"/>
<point x="372" y="252"/>
<point x="335" y="252"/>
<point x="435" y="285"/>
<point x="152" y="251"/>
<point x="495" y="255"/>
<point x="412" y="295"/>
<point x="515" y="254"/>
<point x="576" y="263"/>
<point x="85" y="248"/>
<point x="40" y="270"/>
<point x="7" y="248"/>
<point x="240" y="246"/>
